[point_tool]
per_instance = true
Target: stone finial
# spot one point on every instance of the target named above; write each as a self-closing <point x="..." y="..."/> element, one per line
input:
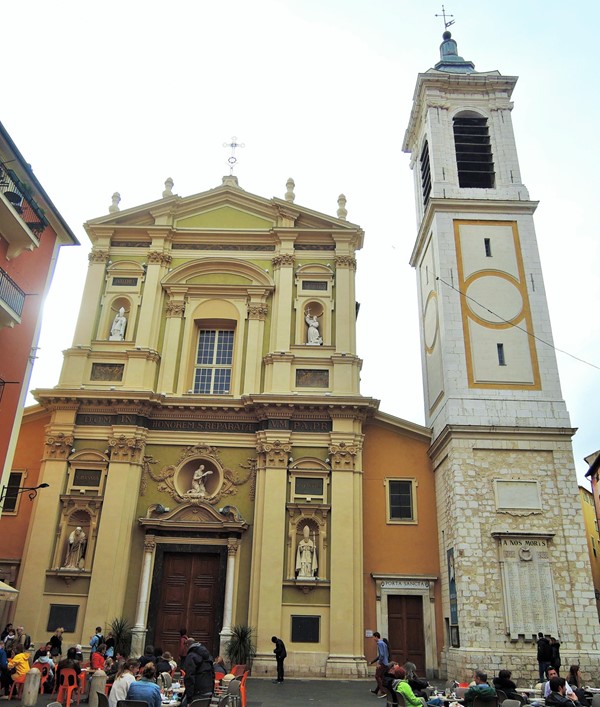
<point x="342" y="212"/>
<point x="289" y="195"/>
<point x="230" y="180"/>
<point x="168" y="187"/>
<point x="116" y="198"/>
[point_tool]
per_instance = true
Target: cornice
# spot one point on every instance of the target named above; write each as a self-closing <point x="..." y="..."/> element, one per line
<point x="481" y="207"/>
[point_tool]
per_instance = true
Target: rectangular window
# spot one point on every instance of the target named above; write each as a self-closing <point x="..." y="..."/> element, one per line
<point x="400" y="500"/>
<point x="501" y="359"/>
<point x="488" y="247"/>
<point x="212" y="374"/>
<point x="11" y="500"/>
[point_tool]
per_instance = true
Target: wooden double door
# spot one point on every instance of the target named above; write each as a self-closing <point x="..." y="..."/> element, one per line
<point x="191" y="597"/>
<point x="405" y="630"/>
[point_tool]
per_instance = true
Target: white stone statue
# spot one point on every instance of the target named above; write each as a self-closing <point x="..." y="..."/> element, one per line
<point x="198" y="487"/>
<point x="117" y="330"/>
<point x="306" y="556"/>
<point x="312" y="337"/>
<point x="75" y="549"/>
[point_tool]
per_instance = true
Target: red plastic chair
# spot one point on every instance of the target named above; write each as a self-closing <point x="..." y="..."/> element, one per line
<point x="68" y="684"/>
<point x="238" y="670"/>
<point x="44" y="669"/>
<point x="243" y="687"/>
<point x="17" y="682"/>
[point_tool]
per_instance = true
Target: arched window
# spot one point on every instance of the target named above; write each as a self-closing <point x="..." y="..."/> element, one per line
<point x="425" y="172"/>
<point x="474" y="158"/>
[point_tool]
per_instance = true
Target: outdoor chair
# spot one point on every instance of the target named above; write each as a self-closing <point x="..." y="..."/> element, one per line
<point x="201" y="702"/>
<point x="44" y="669"/>
<point x="400" y="701"/>
<point x="243" y="687"/>
<point x="501" y="695"/>
<point x="511" y="703"/>
<point x="17" y="683"/>
<point x="596" y="700"/>
<point x="238" y="670"/>
<point x="460" y="692"/>
<point x="132" y="703"/>
<point x="53" y="704"/>
<point x="102" y="699"/>
<point x="392" y="697"/>
<point x="68" y="684"/>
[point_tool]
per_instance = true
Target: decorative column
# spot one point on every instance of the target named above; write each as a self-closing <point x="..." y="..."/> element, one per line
<point x="151" y="309"/>
<point x="170" y="352"/>
<point x="346" y="599"/>
<point x="281" y="322"/>
<point x="94" y="284"/>
<point x="257" y="314"/>
<point x="139" y="630"/>
<point x="345" y="328"/>
<point x="266" y="584"/>
<point x="232" y="548"/>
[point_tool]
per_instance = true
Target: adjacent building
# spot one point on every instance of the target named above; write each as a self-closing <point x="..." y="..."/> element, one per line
<point x="212" y="462"/>
<point x="31" y="233"/>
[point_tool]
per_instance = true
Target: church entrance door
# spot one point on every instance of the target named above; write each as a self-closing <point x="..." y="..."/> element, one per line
<point x="405" y="626"/>
<point x="189" y="598"/>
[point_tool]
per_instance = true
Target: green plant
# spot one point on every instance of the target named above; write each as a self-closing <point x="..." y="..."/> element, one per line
<point x="240" y="648"/>
<point x="122" y="633"/>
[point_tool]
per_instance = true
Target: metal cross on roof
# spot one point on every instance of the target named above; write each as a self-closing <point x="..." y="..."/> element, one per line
<point x="447" y="23"/>
<point x="232" y="160"/>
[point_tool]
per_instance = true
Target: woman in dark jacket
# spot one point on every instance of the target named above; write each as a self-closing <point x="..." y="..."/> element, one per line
<point x="508" y="687"/>
<point x="199" y="678"/>
<point x="418" y="685"/>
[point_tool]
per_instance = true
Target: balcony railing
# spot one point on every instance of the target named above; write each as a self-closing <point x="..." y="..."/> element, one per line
<point x="17" y="193"/>
<point x="11" y="294"/>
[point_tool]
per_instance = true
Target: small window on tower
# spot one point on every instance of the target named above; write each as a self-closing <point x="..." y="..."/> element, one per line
<point x="501" y="358"/>
<point x="488" y="247"/>
<point x="425" y="172"/>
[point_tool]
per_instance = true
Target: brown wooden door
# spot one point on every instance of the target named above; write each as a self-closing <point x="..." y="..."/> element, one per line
<point x="406" y="635"/>
<point x="189" y="596"/>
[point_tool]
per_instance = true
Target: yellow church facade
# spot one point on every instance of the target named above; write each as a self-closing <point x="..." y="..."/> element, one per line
<point x="205" y="445"/>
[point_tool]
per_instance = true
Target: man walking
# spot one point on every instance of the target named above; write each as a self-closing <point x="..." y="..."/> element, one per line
<point x="544" y="655"/>
<point x="280" y="656"/>
<point x="382" y="660"/>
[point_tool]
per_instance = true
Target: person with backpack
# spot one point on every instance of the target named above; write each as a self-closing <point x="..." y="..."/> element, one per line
<point x="96" y="640"/>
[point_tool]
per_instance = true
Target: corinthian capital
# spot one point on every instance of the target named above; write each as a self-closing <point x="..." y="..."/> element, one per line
<point x="275" y="453"/>
<point x="286" y="259"/>
<point x="156" y="256"/>
<point x="342" y="456"/>
<point x="345" y="261"/>
<point x="98" y="256"/>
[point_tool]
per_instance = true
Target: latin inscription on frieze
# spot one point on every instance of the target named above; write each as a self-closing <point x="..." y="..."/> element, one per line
<point x="125" y="281"/>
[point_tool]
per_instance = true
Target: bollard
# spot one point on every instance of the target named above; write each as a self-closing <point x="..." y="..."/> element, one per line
<point x="97" y="684"/>
<point x="31" y="688"/>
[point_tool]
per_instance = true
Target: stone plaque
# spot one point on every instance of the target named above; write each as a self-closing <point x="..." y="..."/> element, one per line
<point x="312" y="378"/>
<point x="518" y="495"/>
<point x="125" y="281"/>
<point x="528" y="587"/>
<point x="107" y="371"/>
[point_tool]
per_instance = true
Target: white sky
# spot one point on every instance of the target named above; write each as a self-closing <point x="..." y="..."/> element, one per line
<point x="118" y="96"/>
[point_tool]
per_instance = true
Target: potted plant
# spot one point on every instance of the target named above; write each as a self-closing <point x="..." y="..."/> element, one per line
<point x="240" y="648"/>
<point x="121" y="631"/>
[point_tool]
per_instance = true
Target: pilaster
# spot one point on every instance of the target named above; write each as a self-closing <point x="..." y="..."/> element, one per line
<point x="94" y="285"/>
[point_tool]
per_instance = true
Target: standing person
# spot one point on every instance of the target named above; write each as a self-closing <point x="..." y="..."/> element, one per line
<point x="382" y="659"/>
<point x="6" y="631"/>
<point x="22" y="638"/>
<point x="555" y="647"/>
<point x="96" y="640"/>
<point x="544" y="655"/>
<point x="56" y="642"/>
<point x="199" y="678"/>
<point x="183" y="645"/>
<point x="280" y="656"/>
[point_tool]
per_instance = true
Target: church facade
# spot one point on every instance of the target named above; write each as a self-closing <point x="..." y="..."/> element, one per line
<point x="212" y="462"/>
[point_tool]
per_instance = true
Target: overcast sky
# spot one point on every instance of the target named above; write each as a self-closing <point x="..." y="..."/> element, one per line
<point x="118" y="96"/>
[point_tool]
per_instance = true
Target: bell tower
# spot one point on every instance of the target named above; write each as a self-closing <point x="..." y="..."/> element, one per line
<point x="501" y="448"/>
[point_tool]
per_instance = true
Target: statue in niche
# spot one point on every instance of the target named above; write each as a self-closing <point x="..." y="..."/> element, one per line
<point x="75" y="550"/>
<point x="313" y="338"/>
<point x="198" y="487"/>
<point x="306" y="556"/>
<point x="117" y="330"/>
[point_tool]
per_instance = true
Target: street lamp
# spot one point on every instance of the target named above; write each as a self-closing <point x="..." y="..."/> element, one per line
<point x="32" y="491"/>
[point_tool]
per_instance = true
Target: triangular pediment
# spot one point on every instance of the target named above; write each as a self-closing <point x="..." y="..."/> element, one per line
<point x="225" y="208"/>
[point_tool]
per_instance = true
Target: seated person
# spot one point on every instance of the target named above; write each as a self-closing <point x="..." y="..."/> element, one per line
<point x="557" y="697"/>
<point x="480" y="689"/>
<point x="508" y="687"/>
<point x="42" y="650"/>
<point x="145" y="688"/>
<point x="98" y="657"/>
<point x="123" y="680"/>
<point x="552" y="673"/>
<point x="18" y="666"/>
<point x="219" y="665"/>
<point x="170" y="660"/>
<point x="68" y="662"/>
<point x="405" y="689"/>
<point x="417" y="684"/>
<point x="162" y="665"/>
<point x="44" y="658"/>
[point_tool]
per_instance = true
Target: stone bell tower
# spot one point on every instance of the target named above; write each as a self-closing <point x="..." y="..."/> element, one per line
<point x="513" y="561"/>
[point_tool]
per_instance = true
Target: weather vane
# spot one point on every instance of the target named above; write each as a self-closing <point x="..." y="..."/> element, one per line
<point x="233" y="159"/>
<point x="447" y="23"/>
